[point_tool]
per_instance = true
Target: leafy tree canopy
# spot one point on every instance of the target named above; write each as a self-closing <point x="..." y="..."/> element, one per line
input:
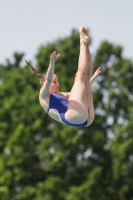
<point x="43" y="159"/>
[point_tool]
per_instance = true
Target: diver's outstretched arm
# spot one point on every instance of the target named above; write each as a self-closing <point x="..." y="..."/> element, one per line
<point x="49" y="75"/>
<point x="95" y="75"/>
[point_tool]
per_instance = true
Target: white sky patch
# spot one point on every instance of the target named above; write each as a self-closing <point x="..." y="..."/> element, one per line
<point x="25" y="25"/>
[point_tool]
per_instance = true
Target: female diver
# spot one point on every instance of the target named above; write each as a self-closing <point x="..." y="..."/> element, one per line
<point x="74" y="108"/>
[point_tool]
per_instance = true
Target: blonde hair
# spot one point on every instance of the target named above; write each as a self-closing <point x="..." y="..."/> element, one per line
<point x="42" y="77"/>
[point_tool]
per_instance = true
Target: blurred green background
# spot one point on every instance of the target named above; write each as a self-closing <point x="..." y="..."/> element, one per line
<point x="43" y="159"/>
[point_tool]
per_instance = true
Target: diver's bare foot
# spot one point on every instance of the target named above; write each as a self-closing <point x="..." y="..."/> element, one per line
<point x="84" y="38"/>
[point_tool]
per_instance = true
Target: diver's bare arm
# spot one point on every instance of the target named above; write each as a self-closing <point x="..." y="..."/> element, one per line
<point x="46" y="85"/>
<point x="50" y="71"/>
<point x="97" y="72"/>
<point x="49" y="75"/>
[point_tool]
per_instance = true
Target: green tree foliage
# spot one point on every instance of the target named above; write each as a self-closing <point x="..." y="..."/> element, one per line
<point x="43" y="159"/>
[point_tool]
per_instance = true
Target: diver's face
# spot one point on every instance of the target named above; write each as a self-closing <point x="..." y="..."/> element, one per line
<point x="54" y="85"/>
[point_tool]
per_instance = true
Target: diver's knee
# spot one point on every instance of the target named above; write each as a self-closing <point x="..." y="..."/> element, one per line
<point x="80" y="76"/>
<point x="80" y="73"/>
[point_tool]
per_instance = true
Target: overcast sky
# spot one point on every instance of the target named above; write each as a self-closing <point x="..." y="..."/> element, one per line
<point x="27" y="24"/>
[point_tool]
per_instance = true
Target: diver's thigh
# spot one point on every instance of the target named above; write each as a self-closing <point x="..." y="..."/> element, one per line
<point x="77" y="103"/>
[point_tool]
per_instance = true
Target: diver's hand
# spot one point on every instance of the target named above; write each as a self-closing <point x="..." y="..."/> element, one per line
<point x="97" y="72"/>
<point x="95" y="75"/>
<point x="54" y="57"/>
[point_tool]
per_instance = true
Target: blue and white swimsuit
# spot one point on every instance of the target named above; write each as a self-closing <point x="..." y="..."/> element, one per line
<point x="60" y="103"/>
